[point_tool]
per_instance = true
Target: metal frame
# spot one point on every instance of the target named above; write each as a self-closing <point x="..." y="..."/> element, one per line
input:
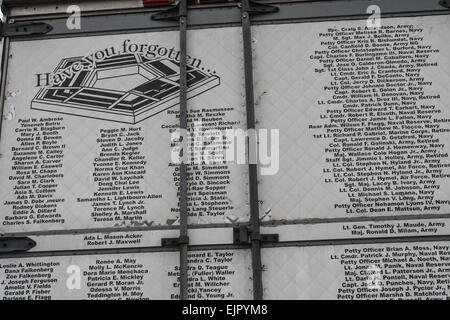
<point x="252" y="168"/>
<point x="180" y="12"/>
<point x="24" y="29"/>
<point x="224" y="16"/>
<point x="8" y="245"/>
<point x="183" y="166"/>
<point x="306" y="243"/>
<point x="274" y="223"/>
<point x="340" y="242"/>
<point x="249" y="7"/>
<point x="89" y="252"/>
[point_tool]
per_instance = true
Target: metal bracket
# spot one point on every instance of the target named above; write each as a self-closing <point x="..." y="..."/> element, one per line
<point x="245" y="234"/>
<point x="12" y="244"/>
<point x="173" y="242"/>
<point x="173" y="13"/>
<point x="258" y="8"/>
<point x="24" y="29"/>
<point x="445" y="3"/>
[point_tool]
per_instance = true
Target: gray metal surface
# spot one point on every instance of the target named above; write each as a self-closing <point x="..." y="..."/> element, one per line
<point x="9" y="244"/>
<point x="24" y="29"/>
<point x="319" y="243"/>
<point x="4" y="69"/>
<point x="356" y="219"/>
<point x="111" y="230"/>
<point x="183" y="165"/>
<point x="230" y="16"/>
<point x="253" y="174"/>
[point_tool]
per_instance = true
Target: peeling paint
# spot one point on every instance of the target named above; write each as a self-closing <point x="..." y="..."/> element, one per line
<point x="135" y="224"/>
<point x="258" y="100"/>
<point x="13" y="94"/>
<point x="11" y="113"/>
<point x="172" y="221"/>
<point x="267" y="215"/>
<point x="143" y="223"/>
<point x="231" y="218"/>
<point x="202" y="220"/>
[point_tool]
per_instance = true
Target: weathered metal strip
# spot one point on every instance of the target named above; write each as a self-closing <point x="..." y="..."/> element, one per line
<point x="253" y="173"/>
<point x="230" y="15"/>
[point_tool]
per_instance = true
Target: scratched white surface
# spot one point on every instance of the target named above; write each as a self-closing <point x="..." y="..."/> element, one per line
<point x="287" y="90"/>
<point x="320" y="273"/>
<point x="213" y="274"/>
<point x="360" y="229"/>
<point x="46" y="278"/>
<point x="80" y="135"/>
<point x="129" y="239"/>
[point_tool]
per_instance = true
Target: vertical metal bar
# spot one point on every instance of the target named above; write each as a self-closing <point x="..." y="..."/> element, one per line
<point x="4" y="71"/>
<point x="253" y="169"/>
<point x="183" y="165"/>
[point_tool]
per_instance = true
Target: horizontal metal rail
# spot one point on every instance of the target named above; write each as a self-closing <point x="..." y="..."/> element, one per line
<point x="341" y="242"/>
<point x="229" y="15"/>
<point x="310" y="221"/>
<point x="271" y="223"/>
<point x="306" y="243"/>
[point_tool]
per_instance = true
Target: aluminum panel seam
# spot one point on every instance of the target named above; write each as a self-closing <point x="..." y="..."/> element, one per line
<point x="183" y="165"/>
<point x="359" y="219"/>
<point x="311" y="243"/>
<point x="320" y="243"/>
<point x="251" y="140"/>
<point x="114" y="230"/>
<point x="87" y="252"/>
<point x="121" y="251"/>
<point x="230" y="226"/>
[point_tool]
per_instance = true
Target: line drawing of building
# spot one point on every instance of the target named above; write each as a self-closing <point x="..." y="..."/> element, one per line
<point x="126" y="88"/>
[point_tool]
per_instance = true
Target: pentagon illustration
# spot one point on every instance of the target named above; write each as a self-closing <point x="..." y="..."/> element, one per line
<point x="127" y="88"/>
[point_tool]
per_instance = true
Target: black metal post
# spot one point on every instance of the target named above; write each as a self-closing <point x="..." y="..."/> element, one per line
<point x="4" y="69"/>
<point x="183" y="166"/>
<point x="253" y="169"/>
